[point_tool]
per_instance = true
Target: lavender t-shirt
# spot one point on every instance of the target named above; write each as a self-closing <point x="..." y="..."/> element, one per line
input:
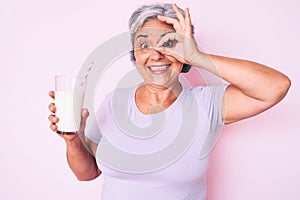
<point x="161" y="156"/>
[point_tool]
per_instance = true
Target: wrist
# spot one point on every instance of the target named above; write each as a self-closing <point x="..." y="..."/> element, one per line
<point x="205" y="61"/>
<point x="199" y="59"/>
<point x="73" y="140"/>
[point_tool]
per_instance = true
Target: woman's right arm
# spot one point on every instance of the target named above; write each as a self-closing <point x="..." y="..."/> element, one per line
<point x="80" y="160"/>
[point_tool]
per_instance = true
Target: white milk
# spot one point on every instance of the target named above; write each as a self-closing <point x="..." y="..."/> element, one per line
<point x="68" y="109"/>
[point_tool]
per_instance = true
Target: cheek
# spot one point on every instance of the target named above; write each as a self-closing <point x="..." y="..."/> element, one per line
<point x="140" y="58"/>
<point x="177" y="65"/>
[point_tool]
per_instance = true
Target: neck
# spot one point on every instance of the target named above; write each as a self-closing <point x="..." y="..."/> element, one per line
<point x="151" y="98"/>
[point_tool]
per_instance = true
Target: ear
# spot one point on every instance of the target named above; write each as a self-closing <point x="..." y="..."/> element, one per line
<point x="132" y="58"/>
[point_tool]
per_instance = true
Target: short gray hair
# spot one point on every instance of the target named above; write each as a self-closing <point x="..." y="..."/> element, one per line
<point x="146" y="13"/>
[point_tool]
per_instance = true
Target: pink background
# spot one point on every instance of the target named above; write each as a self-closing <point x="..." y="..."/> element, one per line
<point x="254" y="159"/>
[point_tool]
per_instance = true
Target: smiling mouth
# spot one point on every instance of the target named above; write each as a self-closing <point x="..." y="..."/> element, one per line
<point x="159" y="68"/>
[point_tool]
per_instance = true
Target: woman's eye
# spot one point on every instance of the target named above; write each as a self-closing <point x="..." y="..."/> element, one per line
<point x="144" y="45"/>
<point x="169" y="43"/>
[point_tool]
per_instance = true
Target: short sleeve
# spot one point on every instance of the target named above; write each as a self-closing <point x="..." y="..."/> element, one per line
<point x="94" y="131"/>
<point x="213" y="103"/>
<point x="211" y="98"/>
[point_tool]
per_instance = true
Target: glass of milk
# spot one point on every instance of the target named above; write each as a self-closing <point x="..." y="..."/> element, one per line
<point x="69" y="97"/>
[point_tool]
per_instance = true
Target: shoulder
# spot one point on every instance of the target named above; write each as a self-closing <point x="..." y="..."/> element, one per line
<point x="210" y="88"/>
<point x="207" y="92"/>
<point x="209" y="97"/>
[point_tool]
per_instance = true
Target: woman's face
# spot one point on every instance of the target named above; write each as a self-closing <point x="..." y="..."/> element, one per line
<point x="154" y="66"/>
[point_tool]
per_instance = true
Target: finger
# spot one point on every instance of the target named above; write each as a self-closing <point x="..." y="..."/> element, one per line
<point x="179" y="15"/>
<point x="167" y="37"/>
<point x="188" y="21"/>
<point x="84" y="116"/>
<point x="170" y="20"/>
<point x="52" y="107"/>
<point x="52" y="118"/>
<point x="84" y="113"/>
<point x="166" y="19"/>
<point x="171" y="52"/>
<point x="52" y="94"/>
<point x="53" y="127"/>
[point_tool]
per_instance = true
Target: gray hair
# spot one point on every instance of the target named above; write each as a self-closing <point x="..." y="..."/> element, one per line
<point x="146" y="13"/>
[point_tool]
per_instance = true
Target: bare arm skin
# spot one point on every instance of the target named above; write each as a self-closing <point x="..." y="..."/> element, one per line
<point x="80" y="160"/>
<point x="253" y="87"/>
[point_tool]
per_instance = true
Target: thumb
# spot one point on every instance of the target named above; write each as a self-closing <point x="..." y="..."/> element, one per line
<point x="84" y="116"/>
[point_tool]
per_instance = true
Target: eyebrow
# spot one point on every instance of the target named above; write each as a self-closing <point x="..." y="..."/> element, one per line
<point x="162" y="35"/>
<point x="143" y="36"/>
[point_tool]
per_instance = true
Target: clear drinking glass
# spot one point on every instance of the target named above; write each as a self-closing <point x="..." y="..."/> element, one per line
<point x="69" y="98"/>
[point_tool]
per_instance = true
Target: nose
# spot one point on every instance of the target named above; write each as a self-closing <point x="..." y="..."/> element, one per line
<point x="156" y="55"/>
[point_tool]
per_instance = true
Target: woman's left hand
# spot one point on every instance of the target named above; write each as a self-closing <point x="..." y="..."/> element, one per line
<point x="180" y="44"/>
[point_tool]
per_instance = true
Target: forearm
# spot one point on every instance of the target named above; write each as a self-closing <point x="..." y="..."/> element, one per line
<point x="253" y="79"/>
<point x="81" y="162"/>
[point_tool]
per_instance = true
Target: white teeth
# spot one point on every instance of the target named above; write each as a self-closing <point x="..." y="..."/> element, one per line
<point x="159" y="68"/>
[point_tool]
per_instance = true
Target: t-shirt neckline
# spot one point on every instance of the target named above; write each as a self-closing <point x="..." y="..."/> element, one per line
<point x="132" y="97"/>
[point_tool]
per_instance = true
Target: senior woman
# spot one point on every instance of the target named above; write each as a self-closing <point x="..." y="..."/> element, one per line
<point x="164" y="47"/>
